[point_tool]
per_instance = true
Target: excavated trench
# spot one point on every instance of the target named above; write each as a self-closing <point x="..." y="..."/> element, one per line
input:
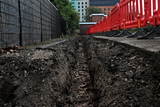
<point x="81" y="72"/>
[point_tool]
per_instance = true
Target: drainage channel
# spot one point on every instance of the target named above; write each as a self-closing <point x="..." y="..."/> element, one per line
<point x="81" y="82"/>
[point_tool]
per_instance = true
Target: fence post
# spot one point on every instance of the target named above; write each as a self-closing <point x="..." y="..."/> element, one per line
<point x="0" y="21"/>
<point x="0" y="26"/>
<point x="20" y="23"/>
<point x="41" y="19"/>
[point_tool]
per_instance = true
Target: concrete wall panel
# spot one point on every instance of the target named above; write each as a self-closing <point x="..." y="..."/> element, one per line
<point x="25" y="22"/>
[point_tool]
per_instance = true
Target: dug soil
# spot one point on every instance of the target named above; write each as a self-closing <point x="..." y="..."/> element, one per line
<point x="80" y="72"/>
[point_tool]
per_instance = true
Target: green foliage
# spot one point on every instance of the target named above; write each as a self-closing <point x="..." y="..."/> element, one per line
<point x="69" y="14"/>
<point x="91" y="10"/>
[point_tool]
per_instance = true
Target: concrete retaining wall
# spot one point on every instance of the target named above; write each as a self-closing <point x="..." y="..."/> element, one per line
<point x="25" y="22"/>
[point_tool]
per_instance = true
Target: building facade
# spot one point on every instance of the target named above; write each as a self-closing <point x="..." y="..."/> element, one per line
<point x="104" y="5"/>
<point x="103" y="2"/>
<point x="96" y="17"/>
<point x="80" y="6"/>
<point x="105" y="9"/>
<point x="73" y="3"/>
<point x="84" y="27"/>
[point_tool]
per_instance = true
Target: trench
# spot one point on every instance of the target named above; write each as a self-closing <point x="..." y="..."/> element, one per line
<point x="80" y="72"/>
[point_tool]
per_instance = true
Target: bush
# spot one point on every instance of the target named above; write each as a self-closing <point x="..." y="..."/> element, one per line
<point x="69" y="14"/>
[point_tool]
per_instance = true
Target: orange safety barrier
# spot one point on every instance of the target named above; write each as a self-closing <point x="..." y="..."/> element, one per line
<point x="108" y="22"/>
<point x="158" y="12"/>
<point x="154" y="15"/>
<point x="115" y="17"/>
<point x="103" y="24"/>
<point x="129" y="14"/>
<point x="133" y="14"/>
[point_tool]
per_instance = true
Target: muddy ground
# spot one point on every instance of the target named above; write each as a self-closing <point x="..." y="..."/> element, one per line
<point x="80" y="72"/>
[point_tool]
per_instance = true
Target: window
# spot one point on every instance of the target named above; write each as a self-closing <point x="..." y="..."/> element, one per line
<point x="104" y="9"/>
<point x="85" y="6"/>
<point x="78" y="3"/>
<point x="82" y="6"/>
<point x="85" y="2"/>
<point x="78" y="10"/>
<point x="78" y="6"/>
<point x="108" y="9"/>
<point x="82" y="2"/>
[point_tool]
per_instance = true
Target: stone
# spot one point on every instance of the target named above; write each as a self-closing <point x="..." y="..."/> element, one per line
<point x="129" y="73"/>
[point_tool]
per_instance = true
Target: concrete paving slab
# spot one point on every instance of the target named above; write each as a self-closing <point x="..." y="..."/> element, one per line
<point x="147" y="44"/>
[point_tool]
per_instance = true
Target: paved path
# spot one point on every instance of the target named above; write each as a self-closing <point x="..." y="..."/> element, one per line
<point x="46" y="44"/>
<point x="147" y="44"/>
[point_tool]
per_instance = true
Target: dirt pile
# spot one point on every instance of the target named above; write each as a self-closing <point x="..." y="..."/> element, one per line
<point x="123" y="76"/>
<point x="56" y="76"/>
<point x="37" y="78"/>
<point x="80" y="72"/>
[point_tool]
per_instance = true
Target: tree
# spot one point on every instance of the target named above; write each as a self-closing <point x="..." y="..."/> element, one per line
<point x="68" y="13"/>
<point x="91" y="10"/>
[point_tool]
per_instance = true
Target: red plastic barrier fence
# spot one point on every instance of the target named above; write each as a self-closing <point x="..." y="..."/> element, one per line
<point x="115" y="17"/>
<point x="129" y="14"/>
<point x="108" y="22"/>
<point x="154" y="16"/>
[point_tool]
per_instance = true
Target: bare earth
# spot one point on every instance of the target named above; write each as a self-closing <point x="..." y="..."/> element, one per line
<point x="80" y="72"/>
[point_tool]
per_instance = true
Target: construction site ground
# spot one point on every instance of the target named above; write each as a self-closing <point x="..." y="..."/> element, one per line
<point x="82" y="71"/>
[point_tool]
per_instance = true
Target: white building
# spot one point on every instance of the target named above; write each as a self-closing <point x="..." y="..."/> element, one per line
<point x="80" y="6"/>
